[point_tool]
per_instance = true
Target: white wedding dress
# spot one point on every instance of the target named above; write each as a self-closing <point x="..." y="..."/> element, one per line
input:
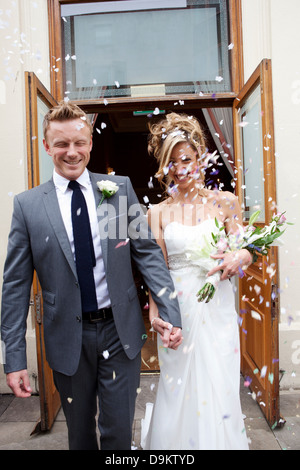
<point x="197" y="404"/>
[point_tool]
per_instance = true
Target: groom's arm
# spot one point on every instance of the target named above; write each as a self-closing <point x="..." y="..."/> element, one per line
<point x="150" y="261"/>
<point x="17" y="280"/>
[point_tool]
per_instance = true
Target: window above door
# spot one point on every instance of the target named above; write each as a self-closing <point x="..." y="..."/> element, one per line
<point x="143" y="48"/>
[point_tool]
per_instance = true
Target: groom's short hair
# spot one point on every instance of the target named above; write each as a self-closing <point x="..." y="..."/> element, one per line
<point x="65" y="111"/>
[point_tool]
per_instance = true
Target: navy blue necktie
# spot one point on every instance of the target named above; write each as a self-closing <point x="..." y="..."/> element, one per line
<point x="84" y="249"/>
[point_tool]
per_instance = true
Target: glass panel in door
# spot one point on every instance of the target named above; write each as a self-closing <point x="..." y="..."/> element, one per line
<point x="252" y="150"/>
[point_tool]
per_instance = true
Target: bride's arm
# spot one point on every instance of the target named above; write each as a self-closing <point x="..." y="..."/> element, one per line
<point x="158" y="324"/>
<point x="233" y="262"/>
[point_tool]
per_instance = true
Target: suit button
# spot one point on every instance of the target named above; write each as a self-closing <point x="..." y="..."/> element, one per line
<point x="78" y="318"/>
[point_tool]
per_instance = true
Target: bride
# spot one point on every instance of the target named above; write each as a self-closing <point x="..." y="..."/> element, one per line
<point x="197" y="404"/>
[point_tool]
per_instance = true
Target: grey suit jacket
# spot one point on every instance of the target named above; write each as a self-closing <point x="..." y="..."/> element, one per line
<point x="38" y="241"/>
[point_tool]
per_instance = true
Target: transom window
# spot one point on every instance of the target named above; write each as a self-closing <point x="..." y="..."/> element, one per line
<point x="142" y="48"/>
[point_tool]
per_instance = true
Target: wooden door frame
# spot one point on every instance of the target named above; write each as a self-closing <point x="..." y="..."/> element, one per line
<point x="269" y="399"/>
<point x="49" y="397"/>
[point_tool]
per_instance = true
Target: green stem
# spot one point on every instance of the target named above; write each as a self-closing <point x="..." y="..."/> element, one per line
<point x="102" y="199"/>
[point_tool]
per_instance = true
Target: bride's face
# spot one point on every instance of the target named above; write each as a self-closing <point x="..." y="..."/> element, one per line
<point x="184" y="168"/>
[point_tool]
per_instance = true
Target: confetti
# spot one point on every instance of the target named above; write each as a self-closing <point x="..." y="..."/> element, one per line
<point x="263" y="371"/>
<point x="105" y="354"/>
<point x="255" y="315"/>
<point x="161" y="292"/>
<point x="124" y="243"/>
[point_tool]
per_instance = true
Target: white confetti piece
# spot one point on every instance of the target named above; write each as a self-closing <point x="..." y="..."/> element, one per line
<point x="257" y="289"/>
<point x="263" y="371"/>
<point x="173" y="295"/>
<point x="161" y="292"/>
<point x="105" y="354"/>
<point x="69" y="400"/>
<point x="255" y="315"/>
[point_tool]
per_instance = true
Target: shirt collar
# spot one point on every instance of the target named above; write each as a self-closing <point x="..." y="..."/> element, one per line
<point x="61" y="182"/>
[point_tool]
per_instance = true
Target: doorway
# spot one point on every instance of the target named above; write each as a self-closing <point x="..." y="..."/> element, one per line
<point x="120" y="146"/>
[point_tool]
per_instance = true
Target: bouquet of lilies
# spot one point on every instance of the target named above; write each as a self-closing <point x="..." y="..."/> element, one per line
<point x="254" y="239"/>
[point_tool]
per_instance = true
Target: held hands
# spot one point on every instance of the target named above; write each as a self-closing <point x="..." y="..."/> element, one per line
<point x="19" y="383"/>
<point x="170" y="336"/>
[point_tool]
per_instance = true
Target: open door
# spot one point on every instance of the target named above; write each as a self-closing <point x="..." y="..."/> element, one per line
<point x="40" y="168"/>
<point x="258" y="289"/>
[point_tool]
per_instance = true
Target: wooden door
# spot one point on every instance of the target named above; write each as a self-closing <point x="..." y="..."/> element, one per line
<point x="40" y="168"/>
<point x="258" y="289"/>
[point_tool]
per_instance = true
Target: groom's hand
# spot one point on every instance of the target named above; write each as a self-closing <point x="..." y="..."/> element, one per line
<point x="175" y="338"/>
<point x="19" y="383"/>
<point x="170" y="336"/>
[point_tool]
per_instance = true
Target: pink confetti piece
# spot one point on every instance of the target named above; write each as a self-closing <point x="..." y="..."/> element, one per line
<point x="124" y="243"/>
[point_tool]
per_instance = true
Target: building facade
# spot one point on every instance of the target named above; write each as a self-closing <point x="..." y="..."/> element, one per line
<point x="265" y="32"/>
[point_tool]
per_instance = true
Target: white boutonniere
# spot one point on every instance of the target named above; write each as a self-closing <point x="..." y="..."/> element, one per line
<point x="108" y="189"/>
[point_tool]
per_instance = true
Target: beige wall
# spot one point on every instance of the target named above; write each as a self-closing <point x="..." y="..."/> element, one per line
<point x="271" y="30"/>
<point x="24" y="47"/>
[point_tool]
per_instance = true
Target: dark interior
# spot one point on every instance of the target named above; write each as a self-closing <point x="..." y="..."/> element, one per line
<point x="121" y="147"/>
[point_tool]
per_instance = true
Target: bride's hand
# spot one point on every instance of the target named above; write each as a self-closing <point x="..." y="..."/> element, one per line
<point x="175" y="338"/>
<point x="170" y="336"/>
<point x="232" y="263"/>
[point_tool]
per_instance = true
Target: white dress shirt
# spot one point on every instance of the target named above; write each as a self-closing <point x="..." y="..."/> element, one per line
<point x="64" y="195"/>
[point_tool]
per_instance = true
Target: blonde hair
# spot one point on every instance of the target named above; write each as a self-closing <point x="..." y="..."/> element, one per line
<point x="65" y="111"/>
<point x="169" y="132"/>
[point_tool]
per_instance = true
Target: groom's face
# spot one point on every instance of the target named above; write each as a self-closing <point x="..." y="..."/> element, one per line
<point x="69" y="144"/>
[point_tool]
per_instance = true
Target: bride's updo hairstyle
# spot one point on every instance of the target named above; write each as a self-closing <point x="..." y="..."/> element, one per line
<point x="166" y="134"/>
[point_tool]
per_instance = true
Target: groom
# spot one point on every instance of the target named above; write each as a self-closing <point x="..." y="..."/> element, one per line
<point x="93" y="326"/>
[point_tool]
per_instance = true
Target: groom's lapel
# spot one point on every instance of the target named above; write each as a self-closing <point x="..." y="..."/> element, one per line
<point x="98" y="194"/>
<point x="53" y="211"/>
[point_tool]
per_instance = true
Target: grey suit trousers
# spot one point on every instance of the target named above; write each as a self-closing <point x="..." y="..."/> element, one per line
<point x="105" y="372"/>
